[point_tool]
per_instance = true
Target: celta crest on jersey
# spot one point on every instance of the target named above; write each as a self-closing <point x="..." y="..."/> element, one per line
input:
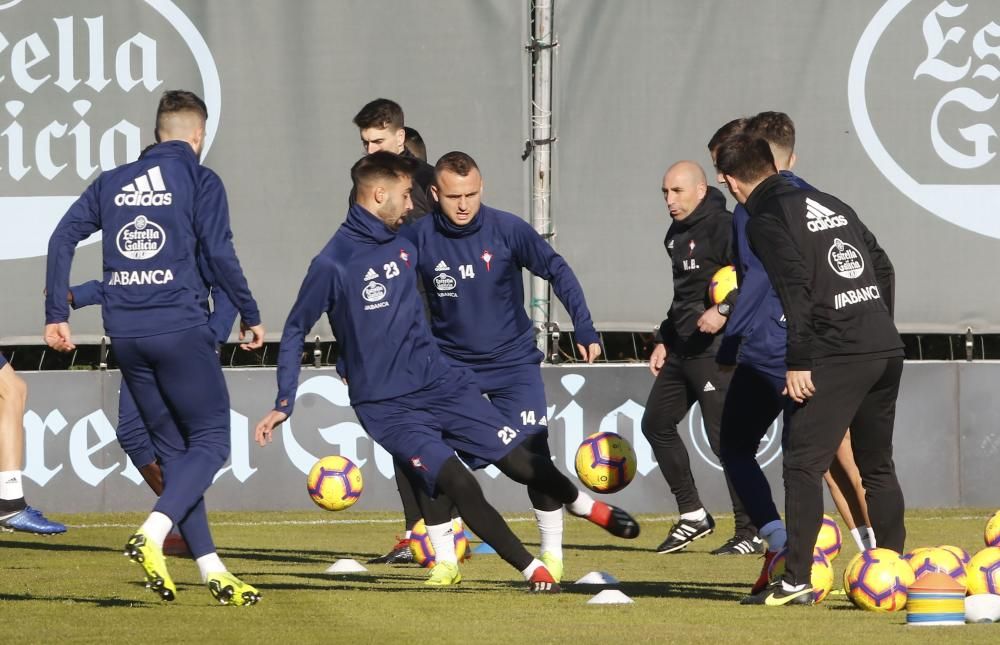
<point x="404" y="256"/>
<point x="845" y="260"/>
<point x="821" y="218"/>
<point x="141" y="239"/>
<point x="147" y="189"/>
<point x="486" y="257"/>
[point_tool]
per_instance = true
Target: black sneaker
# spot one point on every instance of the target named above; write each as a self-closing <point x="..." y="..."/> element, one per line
<point x="400" y="554"/>
<point x="774" y="595"/>
<point x="684" y="533"/>
<point x="741" y="545"/>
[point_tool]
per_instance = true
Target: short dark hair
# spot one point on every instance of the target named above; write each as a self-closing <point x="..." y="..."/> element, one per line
<point x="380" y="113"/>
<point x="455" y="161"/>
<point x="774" y="127"/>
<point x="745" y="157"/>
<point x="415" y="143"/>
<point x="174" y="101"/>
<point x="735" y="126"/>
<point x="381" y="165"/>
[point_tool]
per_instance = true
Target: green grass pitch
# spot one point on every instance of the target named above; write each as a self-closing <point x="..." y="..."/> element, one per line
<point x="78" y="587"/>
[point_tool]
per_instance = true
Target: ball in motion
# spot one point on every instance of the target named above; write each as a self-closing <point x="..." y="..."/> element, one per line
<point x="984" y="571"/>
<point x="335" y="483"/>
<point x="605" y="462"/>
<point x="423" y="550"/>
<point x="926" y="560"/>
<point x="821" y="575"/>
<point x="723" y="281"/>
<point x="992" y="533"/>
<point x="829" y="539"/>
<point x="877" y="580"/>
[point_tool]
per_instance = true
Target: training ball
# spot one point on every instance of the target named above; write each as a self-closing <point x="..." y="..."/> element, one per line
<point x="423" y="550"/>
<point x="983" y="572"/>
<point x="335" y="483"/>
<point x="821" y="575"/>
<point x="935" y="559"/>
<point x="877" y="580"/>
<point x="992" y="533"/>
<point x="605" y="462"/>
<point x="722" y="283"/>
<point x="829" y="539"/>
<point x="959" y="552"/>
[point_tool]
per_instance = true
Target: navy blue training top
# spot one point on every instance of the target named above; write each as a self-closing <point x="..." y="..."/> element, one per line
<point x="758" y="319"/>
<point x="158" y="215"/>
<point x="365" y="280"/>
<point x="475" y="289"/>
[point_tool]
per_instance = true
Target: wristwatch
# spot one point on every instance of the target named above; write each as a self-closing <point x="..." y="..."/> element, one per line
<point x="725" y="308"/>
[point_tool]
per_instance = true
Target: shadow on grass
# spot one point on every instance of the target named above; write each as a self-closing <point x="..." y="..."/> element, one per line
<point x="716" y="591"/>
<point x="96" y="602"/>
<point x="293" y="556"/>
<point x="57" y="546"/>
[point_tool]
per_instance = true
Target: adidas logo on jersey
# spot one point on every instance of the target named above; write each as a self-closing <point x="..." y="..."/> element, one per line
<point x="442" y="266"/>
<point x="146" y="190"/>
<point x="822" y="218"/>
<point x="708" y="387"/>
<point x="371" y="275"/>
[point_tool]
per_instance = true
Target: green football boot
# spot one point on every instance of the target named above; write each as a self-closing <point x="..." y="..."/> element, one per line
<point x="230" y="590"/>
<point x="444" y="574"/>
<point x="142" y="551"/>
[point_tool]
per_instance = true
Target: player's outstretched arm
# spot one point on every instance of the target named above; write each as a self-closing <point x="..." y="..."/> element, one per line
<point x="264" y="432"/>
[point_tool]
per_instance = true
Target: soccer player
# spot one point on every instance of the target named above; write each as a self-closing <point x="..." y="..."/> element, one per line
<point x="844" y="358"/>
<point x="755" y="343"/>
<point x="403" y="390"/>
<point x="470" y="260"/>
<point x="683" y="361"/>
<point x="131" y="432"/>
<point x="415" y="143"/>
<point x="158" y="215"/>
<point x="15" y="514"/>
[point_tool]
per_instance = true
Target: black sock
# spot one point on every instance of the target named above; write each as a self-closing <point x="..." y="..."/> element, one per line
<point x="8" y="506"/>
<point x="484" y="520"/>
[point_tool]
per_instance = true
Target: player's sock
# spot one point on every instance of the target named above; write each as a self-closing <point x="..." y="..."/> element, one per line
<point x="408" y="535"/>
<point x="582" y="505"/>
<point x="530" y="570"/>
<point x="156" y="527"/>
<point x="550" y="530"/>
<point x="10" y="486"/>
<point x="774" y="534"/>
<point x="790" y="588"/>
<point x="695" y="516"/>
<point x="871" y="538"/>
<point x="210" y="563"/>
<point x="856" y="533"/>
<point x="442" y="537"/>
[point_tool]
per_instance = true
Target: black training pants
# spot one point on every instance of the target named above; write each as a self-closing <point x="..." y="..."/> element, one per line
<point x="681" y="383"/>
<point x="860" y="395"/>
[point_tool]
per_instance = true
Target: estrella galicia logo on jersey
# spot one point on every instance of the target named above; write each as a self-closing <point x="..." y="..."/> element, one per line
<point x="78" y="79"/>
<point x="373" y="291"/>
<point x="141" y="239"/>
<point x="821" y="218"/>
<point x="845" y="260"/>
<point x="147" y="189"/>
<point x="444" y="282"/>
<point x="941" y="151"/>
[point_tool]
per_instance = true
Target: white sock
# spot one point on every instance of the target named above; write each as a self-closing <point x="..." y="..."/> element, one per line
<point x="871" y="538"/>
<point x="408" y="535"/>
<point x="791" y="588"/>
<point x="156" y="527"/>
<point x="210" y="563"/>
<point x="582" y="505"/>
<point x="695" y="516"/>
<point x="860" y="541"/>
<point x="550" y="529"/>
<point x="10" y="485"/>
<point x="535" y="564"/>
<point x="774" y="534"/>
<point x="442" y="538"/>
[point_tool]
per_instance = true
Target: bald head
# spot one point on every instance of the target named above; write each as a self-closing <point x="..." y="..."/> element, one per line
<point x="684" y="186"/>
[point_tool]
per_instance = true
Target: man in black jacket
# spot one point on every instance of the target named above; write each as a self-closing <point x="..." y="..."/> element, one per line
<point x="683" y="361"/>
<point x="844" y="355"/>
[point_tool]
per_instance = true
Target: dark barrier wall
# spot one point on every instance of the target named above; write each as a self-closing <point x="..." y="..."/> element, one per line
<point x="896" y="105"/>
<point x="947" y="442"/>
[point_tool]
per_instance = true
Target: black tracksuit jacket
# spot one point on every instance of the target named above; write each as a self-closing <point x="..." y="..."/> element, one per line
<point x="834" y="280"/>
